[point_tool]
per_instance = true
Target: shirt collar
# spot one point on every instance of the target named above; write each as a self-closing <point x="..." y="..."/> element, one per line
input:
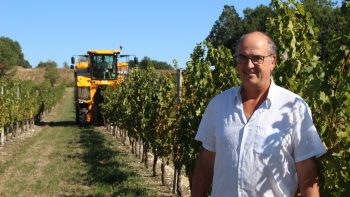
<point x="270" y="96"/>
<point x="272" y="93"/>
<point x="236" y="94"/>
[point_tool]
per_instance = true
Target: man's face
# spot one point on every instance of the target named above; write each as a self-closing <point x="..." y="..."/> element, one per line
<point x="254" y="61"/>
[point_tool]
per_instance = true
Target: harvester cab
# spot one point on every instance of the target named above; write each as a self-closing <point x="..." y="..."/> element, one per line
<point x="104" y="65"/>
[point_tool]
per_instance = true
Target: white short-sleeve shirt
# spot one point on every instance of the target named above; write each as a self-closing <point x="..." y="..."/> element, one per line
<point x="257" y="157"/>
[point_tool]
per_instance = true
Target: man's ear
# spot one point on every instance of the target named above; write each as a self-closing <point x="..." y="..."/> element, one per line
<point x="273" y="62"/>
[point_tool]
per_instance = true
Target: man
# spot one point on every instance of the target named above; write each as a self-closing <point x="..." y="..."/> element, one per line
<point x="102" y="68"/>
<point x="258" y="139"/>
<point x="103" y="64"/>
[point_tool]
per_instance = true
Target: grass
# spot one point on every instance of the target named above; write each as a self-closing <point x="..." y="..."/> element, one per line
<point x="62" y="159"/>
<point x="107" y="169"/>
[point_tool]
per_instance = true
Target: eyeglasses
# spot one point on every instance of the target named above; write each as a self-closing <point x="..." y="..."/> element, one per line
<point x="256" y="59"/>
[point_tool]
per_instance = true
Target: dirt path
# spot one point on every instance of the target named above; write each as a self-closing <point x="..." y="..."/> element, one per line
<point x="61" y="159"/>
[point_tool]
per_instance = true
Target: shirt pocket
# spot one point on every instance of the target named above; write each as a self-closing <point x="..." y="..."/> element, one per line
<point x="271" y="141"/>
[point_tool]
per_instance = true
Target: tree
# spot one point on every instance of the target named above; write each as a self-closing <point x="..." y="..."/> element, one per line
<point x="52" y="75"/>
<point x="345" y="11"/>
<point x="147" y="62"/>
<point x="330" y="21"/>
<point x="227" y="29"/>
<point x="10" y="55"/>
<point x="256" y="19"/>
<point x="65" y="65"/>
<point x="51" y="72"/>
<point x="26" y="64"/>
<point x="47" y="64"/>
<point x="230" y="27"/>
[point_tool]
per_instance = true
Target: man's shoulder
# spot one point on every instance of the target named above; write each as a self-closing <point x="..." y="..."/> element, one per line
<point x="226" y="95"/>
<point x="284" y="95"/>
<point x="281" y="91"/>
<point x="229" y="92"/>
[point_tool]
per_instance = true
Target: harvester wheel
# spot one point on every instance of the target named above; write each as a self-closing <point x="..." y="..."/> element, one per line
<point x="82" y="116"/>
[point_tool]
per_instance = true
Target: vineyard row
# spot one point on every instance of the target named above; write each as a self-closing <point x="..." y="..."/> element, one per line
<point x="23" y="103"/>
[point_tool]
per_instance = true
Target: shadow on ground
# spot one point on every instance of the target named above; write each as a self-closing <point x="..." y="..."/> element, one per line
<point x="105" y="166"/>
<point x="57" y="124"/>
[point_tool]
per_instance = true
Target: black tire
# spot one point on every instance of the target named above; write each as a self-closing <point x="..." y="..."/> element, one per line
<point x="82" y="117"/>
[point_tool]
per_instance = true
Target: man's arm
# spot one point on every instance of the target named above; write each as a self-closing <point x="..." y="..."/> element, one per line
<point x="203" y="173"/>
<point x="308" y="177"/>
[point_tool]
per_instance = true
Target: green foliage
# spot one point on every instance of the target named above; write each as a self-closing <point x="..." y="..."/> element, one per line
<point x="47" y="64"/>
<point x="51" y="71"/>
<point x="26" y="64"/>
<point x="332" y="118"/>
<point x="256" y="19"/>
<point x="345" y="11"/>
<point x="197" y="90"/>
<point x="147" y="62"/>
<point x="144" y="104"/>
<point x="52" y="75"/>
<point x="227" y="29"/>
<point x="160" y="114"/>
<point x="11" y="55"/>
<point x="324" y="85"/>
<point x="295" y="34"/>
<point x="49" y="95"/>
<point x="209" y="72"/>
<point x="330" y="21"/>
<point x="224" y="73"/>
<point x="20" y="100"/>
<point x="230" y="27"/>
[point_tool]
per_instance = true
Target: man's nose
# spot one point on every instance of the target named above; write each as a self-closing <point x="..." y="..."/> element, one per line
<point x="250" y="63"/>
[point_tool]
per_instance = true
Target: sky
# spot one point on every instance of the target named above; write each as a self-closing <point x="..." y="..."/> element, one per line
<point x="159" y="29"/>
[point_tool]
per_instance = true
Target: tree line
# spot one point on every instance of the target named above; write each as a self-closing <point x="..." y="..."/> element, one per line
<point x="330" y="19"/>
<point x="11" y="55"/>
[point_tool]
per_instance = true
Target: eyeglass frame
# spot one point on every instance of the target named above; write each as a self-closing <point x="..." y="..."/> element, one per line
<point x="259" y="61"/>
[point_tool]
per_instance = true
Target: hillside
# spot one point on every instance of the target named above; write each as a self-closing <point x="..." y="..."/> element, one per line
<point x="67" y="75"/>
<point x="37" y="74"/>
